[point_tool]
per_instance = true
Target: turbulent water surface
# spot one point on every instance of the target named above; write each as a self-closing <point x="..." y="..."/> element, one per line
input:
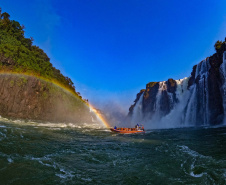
<point x="35" y="153"/>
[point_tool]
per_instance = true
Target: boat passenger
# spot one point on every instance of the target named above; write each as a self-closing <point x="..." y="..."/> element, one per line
<point x="137" y="126"/>
<point x="115" y="127"/>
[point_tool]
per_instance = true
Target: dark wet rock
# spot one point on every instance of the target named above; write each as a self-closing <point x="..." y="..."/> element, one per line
<point x="30" y="98"/>
<point x="171" y="85"/>
<point x="192" y="78"/>
<point x="135" y="101"/>
<point x="149" y="98"/>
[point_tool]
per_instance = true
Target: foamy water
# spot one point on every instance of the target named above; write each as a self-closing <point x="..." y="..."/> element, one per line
<point x="88" y="153"/>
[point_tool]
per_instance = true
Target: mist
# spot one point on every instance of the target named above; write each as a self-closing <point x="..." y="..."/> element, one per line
<point x="113" y="105"/>
<point x="114" y="112"/>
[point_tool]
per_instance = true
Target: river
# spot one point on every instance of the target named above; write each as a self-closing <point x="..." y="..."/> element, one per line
<point x="38" y="153"/>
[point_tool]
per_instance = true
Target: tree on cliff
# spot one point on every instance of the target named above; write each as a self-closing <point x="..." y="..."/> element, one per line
<point x="18" y="54"/>
<point x="5" y="16"/>
<point x="5" y="19"/>
<point x="217" y="45"/>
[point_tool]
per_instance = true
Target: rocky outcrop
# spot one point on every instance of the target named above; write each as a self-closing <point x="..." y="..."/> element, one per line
<point x="197" y="100"/>
<point x="137" y="98"/>
<point x="150" y="97"/>
<point x="31" y="98"/>
<point x="214" y="83"/>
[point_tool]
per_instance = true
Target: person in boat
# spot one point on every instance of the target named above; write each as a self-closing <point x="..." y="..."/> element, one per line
<point x="115" y="127"/>
<point x="143" y="127"/>
<point x="137" y="126"/>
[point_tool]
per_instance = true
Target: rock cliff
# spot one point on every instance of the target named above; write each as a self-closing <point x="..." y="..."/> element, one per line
<point x="31" y="98"/>
<point x="197" y="100"/>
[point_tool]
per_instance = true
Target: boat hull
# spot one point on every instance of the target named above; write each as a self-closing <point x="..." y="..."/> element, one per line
<point x="127" y="131"/>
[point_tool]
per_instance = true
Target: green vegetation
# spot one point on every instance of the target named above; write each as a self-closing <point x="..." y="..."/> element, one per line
<point x="18" y="54"/>
<point x="218" y="45"/>
<point x="151" y="84"/>
<point x="21" y="81"/>
<point x="11" y="83"/>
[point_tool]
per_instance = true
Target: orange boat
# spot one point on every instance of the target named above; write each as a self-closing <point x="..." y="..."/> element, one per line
<point x="135" y="130"/>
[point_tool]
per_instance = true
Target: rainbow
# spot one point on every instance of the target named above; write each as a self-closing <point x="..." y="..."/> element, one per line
<point x="103" y="120"/>
<point x="42" y="78"/>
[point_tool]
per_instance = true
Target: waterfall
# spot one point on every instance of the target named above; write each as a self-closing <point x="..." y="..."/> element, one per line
<point x="191" y="107"/>
<point x="186" y="102"/>
<point x="165" y="101"/>
<point x="137" y="111"/>
<point x="175" y="116"/>
<point x="184" y="107"/>
<point x="223" y="71"/>
<point x="182" y="87"/>
<point x="158" y="103"/>
<point x="197" y="112"/>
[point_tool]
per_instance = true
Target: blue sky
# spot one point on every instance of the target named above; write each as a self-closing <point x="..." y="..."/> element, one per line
<point x="112" y="48"/>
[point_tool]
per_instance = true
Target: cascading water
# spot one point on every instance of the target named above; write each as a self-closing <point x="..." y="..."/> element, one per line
<point x="182" y="86"/>
<point x="190" y="110"/>
<point x="177" y="106"/>
<point x="163" y="95"/>
<point x="176" y="114"/>
<point x="138" y="115"/>
<point x="186" y="106"/>
<point x="223" y="72"/>
<point x="198" y="105"/>
<point x="157" y="107"/>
